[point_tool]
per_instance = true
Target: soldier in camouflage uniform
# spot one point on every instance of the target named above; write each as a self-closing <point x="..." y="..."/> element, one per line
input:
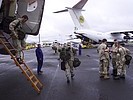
<point x="114" y="52"/>
<point x="103" y="51"/>
<point x="69" y="64"/>
<point x="120" y="60"/>
<point x="15" y="27"/>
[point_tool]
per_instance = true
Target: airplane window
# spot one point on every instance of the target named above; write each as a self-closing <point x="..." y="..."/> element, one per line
<point x="31" y="6"/>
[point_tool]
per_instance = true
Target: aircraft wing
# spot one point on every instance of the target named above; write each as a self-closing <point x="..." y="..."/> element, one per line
<point x="128" y="33"/>
<point x="34" y="10"/>
<point x="122" y="32"/>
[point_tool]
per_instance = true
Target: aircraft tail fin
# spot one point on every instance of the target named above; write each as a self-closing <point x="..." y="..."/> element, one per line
<point x="77" y="17"/>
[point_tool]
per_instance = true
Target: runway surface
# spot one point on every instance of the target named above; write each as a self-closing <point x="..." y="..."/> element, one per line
<point x="86" y="85"/>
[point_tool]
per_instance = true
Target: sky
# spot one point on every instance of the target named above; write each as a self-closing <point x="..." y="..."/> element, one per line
<point x="101" y="15"/>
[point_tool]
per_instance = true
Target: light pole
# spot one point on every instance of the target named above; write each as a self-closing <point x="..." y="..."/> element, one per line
<point x="39" y="38"/>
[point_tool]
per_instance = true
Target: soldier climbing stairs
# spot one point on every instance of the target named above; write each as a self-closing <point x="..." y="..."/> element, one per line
<point x="36" y="84"/>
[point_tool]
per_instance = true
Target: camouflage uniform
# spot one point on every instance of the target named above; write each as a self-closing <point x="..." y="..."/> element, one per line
<point x="120" y="61"/>
<point x="114" y="56"/>
<point x="18" y="44"/>
<point x="69" y="65"/>
<point x="114" y="53"/>
<point x="103" y="60"/>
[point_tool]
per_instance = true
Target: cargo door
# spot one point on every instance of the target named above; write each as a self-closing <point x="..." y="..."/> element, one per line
<point x="34" y="10"/>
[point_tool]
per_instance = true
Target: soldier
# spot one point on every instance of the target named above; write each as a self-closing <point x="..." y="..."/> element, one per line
<point x="67" y="57"/>
<point x="69" y="63"/>
<point x="55" y="47"/>
<point x="18" y="35"/>
<point x="114" y="58"/>
<point x="120" y="60"/>
<point x="103" y="51"/>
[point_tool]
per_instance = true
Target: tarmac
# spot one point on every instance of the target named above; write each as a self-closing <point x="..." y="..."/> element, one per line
<point x="86" y="84"/>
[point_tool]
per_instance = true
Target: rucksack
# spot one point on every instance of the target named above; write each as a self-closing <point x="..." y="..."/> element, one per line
<point x="62" y="54"/>
<point x="68" y="54"/>
<point x="5" y="24"/>
<point x="65" y="54"/>
<point x="128" y="59"/>
<point x="63" y="66"/>
<point x="76" y="62"/>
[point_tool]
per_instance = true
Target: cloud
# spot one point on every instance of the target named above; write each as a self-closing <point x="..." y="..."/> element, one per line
<point x="101" y="15"/>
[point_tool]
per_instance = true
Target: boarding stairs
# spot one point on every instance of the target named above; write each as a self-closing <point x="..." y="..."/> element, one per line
<point x="36" y="84"/>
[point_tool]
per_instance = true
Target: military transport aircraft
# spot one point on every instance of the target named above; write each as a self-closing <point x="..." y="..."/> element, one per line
<point x="82" y="29"/>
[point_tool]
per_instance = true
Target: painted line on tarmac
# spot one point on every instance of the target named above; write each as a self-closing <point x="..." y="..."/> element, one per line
<point x="33" y="60"/>
<point x="52" y="82"/>
<point x="5" y="58"/>
<point x="3" y="64"/>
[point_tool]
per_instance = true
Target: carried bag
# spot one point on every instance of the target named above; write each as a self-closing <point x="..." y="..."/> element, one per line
<point x="128" y="59"/>
<point x="5" y="23"/>
<point x="76" y="62"/>
<point x="63" y="66"/>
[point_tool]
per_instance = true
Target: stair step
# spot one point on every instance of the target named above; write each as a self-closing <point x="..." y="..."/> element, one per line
<point x="24" y="68"/>
<point x="7" y="42"/>
<point x="13" y="49"/>
<point x="31" y="76"/>
<point x="35" y="82"/>
<point x="2" y="37"/>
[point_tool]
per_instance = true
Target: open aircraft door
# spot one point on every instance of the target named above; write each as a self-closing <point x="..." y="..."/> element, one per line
<point x="34" y="10"/>
<point x="10" y="9"/>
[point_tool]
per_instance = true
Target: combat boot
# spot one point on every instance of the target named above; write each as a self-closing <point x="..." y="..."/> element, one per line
<point x="122" y="76"/>
<point x="68" y="81"/>
<point x="106" y="77"/>
<point x="101" y="75"/>
<point x="117" y="77"/>
<point x="114" y="72"/>
<point x="72" y="76"/>
<point x="19" y="60"/>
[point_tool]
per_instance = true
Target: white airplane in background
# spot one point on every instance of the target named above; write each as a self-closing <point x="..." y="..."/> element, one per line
<point x="82" y="30"/>
<point x="73" y="38"/>
<point x="74" y="41"/>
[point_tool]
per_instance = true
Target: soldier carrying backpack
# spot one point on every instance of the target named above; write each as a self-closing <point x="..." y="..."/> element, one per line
<point x="67" y="57"/>
<point x="18" y="35"/>
<point x="65" y="54"/>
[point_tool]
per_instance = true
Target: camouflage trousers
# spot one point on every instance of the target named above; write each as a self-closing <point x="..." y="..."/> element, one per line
<point x="69" y="68"/>
<point x="121" y="67"/>
<point x="19" y="45"/>
<point x="114" y="63"/>
<point x="104" y="67"/>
